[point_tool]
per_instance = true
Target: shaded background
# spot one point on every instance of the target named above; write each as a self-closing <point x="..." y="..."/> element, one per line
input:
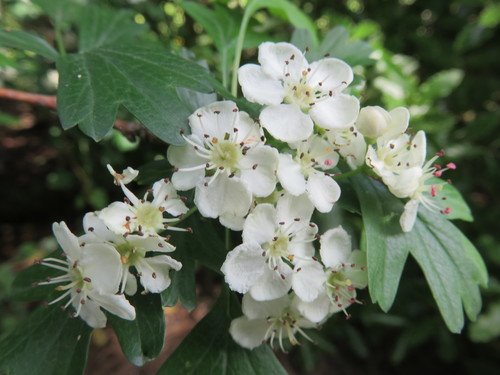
<point x="440" y="59"/>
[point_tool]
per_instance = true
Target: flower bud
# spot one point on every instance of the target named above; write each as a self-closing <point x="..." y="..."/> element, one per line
<point x="372" y="122"/>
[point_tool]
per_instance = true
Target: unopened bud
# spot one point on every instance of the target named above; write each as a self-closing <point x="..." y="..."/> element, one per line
<point x="373" y="121"/>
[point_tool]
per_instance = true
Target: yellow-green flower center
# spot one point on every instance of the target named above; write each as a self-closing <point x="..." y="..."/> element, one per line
<point x="226" y="154"/>
<point x="149" y="217"/>
<point x="278" y="248"/>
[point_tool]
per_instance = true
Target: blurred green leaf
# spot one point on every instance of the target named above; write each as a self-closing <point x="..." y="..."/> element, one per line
<point x="441" y="84"/>
<point x="141" y="339"/>
<point x="450" y="263"/>
<point x="23" y="288"/>
<point x="487" y="326"/>
<point x="153" y="171"/>
<point x="48" y="343"/>
<point x="209" y="348"/>
<point x="23" y="40"/>
<point x="490" y="15"/>
<point x="62" y="12"/>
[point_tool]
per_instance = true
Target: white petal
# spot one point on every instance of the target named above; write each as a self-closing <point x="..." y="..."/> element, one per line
<point x="290" y="175"/>
<point x="93" y="225"/>
<point x="409" y="215"/>
<point x="131" y="286"/>
<point x="128" y="175"/>
<point x="101" y="263"/>
<point x="243" y="266"/>
<point x="404" y="184"/>
<point x="247" y="130"/>
<point x="259" y="87"/>
<point x="273" y="58"/>
<point x="154" y="272"/>
<point x="232" y="222"/>
<point x="333" y="74"/>
<point x="271" y="285"/>
<point x="166" y="196"/>
<point x="301" y="245"/>
<point x="297" y="210"/>
<point x="248" y="333"/>
<point x="91" y="313"/>
<point x="336" y="112"/>
<point x="254" y="309"/>
<point x="308" y="280"/>
<point x="373" y="121"/>
<point x="115" y="304"/>
<point x="400" y="117"/>
<point x="150" y="243"/>
<point x="323" y="152"/>
<point x="221" y="196"/>
<point x="357" y="273"/>
<point x="185" y="157"/>
<point x="317" y="310"/>
<point x="114" y="216"/>
<point x="67" y="240"/>
<point x="286" y="122"/>
<point x="260" y="180"/>
<point x="260" y="225"/>
<point x="335" y="247"/>
<point x="215" y="120"/>
<point x="323" y="191"/>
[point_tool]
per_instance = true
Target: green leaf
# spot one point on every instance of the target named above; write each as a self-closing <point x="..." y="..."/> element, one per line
<point x="452" y="266"/>
<point x="92" y="85"/>
<point x="62" y="12"/>
<point x="206" y="244"/>
<point x="336" y="43"/>
<point x="23" y="289"/>
<point x="141" y="339"/>
<point x="454" y="200"/>
<point x="490" y="15"/>
<point x="441" y="84"/>
<point x="23" y="40"/>
<point x="209" y="348"/>
<point x="48" y="343"/>
<point x="183" y="284"/>
<point x="100" y="27"/>
<point x="385" y="244"/>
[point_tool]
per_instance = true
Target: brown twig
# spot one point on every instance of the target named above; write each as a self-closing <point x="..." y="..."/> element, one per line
<point x="129" y="129"/>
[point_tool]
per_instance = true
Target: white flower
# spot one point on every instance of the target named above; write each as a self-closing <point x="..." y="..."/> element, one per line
<point x="91" y="276"/>
<point x="269" y="320"/>
<point x="141" y="215"/>
<point x="153" y="271"/>
<point x="374" y="122"/>
<point x="272" y="239"/>
<point x="302" y="173"/>
<point x="298" y="94"/>
<point x="225" y="159"/>
<point x="350" y="144"/>
<point x="325" y="290"/>
<point x="400" y="164"/>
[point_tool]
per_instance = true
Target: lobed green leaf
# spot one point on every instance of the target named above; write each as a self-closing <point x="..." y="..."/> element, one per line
<point x="210" y="350"/>
<point x="452" y="266"/>
<point x="141" y="339"/>
<point x="48" y="343"/>
<point x="26" y="41"/>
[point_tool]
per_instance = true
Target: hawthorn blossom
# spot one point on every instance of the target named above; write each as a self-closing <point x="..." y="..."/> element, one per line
<point x="303" y="172"/>
<point x="91" y="276"/>
<point x="153" y="271"/>
<point x="142" y="215"/>
<point x="350" y="144"/>
<point x="273" y="238"/>
<point x="272" y="320"/>
<point x="400" y="164"/>
<point x="375" y="122"/>
<point x="225" y="158"/>
<point x="298" y="94"/>
<point x="323" y="290"/>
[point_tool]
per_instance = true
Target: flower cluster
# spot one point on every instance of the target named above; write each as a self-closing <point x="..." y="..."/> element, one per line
<point x="121" y="242"/>
<point x="291" y="277"/>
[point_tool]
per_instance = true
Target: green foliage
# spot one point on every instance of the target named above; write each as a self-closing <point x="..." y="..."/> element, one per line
<point x="141" y="339"/>
<point x="209" y="349"/>
<point x="23" y="40"/>
<point x="451" y="265"/>
<point x="48" y="342"/>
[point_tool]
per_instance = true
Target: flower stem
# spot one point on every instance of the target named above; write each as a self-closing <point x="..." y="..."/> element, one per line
<point x="191" y="211"/>
<point x="59" y="39"/>
<point x="239" y="47"/>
